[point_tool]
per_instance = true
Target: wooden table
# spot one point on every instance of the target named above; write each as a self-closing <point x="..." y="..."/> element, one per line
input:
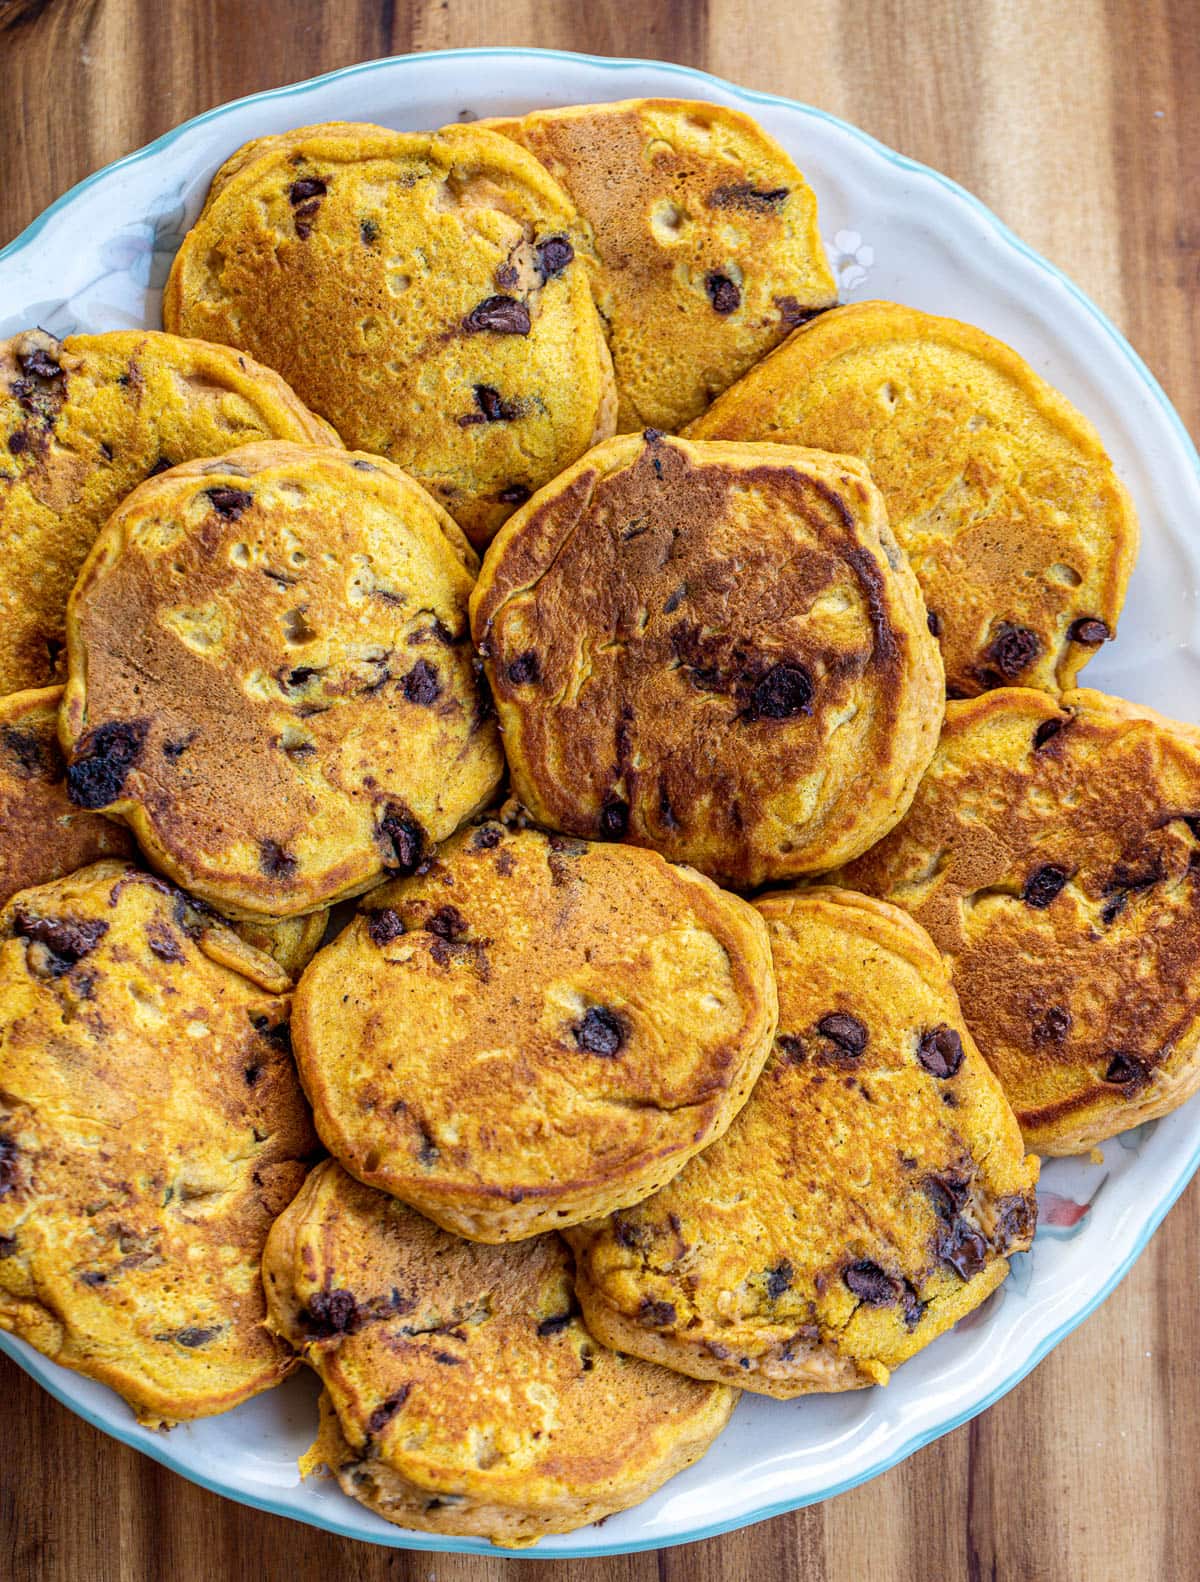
<point x="1078" y="122"/>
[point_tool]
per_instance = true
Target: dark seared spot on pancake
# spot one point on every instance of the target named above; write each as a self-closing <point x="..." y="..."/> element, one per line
<point x="785" y="691"/>
<point x="1127" y="1071"/>
<point x="793" y="313"/>
<point x="490" y="407"/>
<point x="447" y="923"/>
<point x="274" y="860"/>
<point x="162" y="942"/>
<point x="754" y="200"/>
<point x="173" y="751"/>
<point x="500" y="315"/>
<point x="102" y="760"/>
<point x="722" y="292"/>
<point x="870" y="1283"/>
<point x="385" y="926"/>
<point x="32" y="755"/>
<point x="1009" y="654"/>
<point x="845" y="1032"/>
<point x="386" y="1410"/>
<point x="1048" y="730"/>
<point x="600" y="1032"/>
<point x="553" y="256"/>
<point x="403" y="838"/>
<point x="1052" y="1026"/>
<point x="229" y="502"/>
<point x="655" y="1315"/>
<point x="525" y="670"/>
<point x="1043" y="884"/>
<point x="779" y="1279"/>
<point x="331" y="1313"/>
<point x="1089" y="630"/>
<point x="940" y="1051"/>
<point x="614" y="818"/>
<point x="791" y="1047"/>
<point x="10" y="1174"/>
<point x="422" y="685"/>
<point x="66" y="940"/>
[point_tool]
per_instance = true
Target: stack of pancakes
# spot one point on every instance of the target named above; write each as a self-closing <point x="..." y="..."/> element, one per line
<point x="712" y="973"/>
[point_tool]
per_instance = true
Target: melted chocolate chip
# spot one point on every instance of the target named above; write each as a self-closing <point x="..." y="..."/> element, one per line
<point x="940" y="1051"/>
<point x="1046" y="732"/>
<point x="656" y="1315"/>
<point x="274" y="860"/>
<point x="8" y="1246"/>
<point x="1113" y="907"/>
<point x="10" y="1178"/>
<point x="383" y="1413"/>
<point x="501" y="315"/>
<point x="40" y="364"/>
<point x="18" y="443"/>
<point x="601" y="1032"/>
<point x="67" y="940"/>
<point x="491" y="407"/>
<point x="368" y="233"/>
<point x="1043" y="884"/>
<point x="1127" y="1071"/>
<point x="553" y="256"/>
<point x="794" y="313"/>
<point x="513" y="494"/>
<point x="384" y="926"/>
<point x="331" y="1313"/>
<point x="422" y="685"/>
<point x="785" y="691"/>
<point x="555" y="1324"/>
<point x="792" y="1047"/>
<point x="163" y="942"/>
<point x="405" y="837"/>
<point x="447" y="923"/>
<point x="779" y="1279"/>
<point x="962" y="1248"/>
<point x="847" y="1032"/>
<point x="1089" y="630"/>
<point x="722" y="293"/>
<point x="1053" y="1026"/>
<point x="1012" y="651"/>
<point x="306" y="188"/>
<point x="934" y="622"/>
<point x="614" y="818"/>
<point x="104" y="757"/>
<point x="870" y="1283"/>
<point x="486" y="837"/>
<point x="947" y="1194"/>
<point x="1016" y="1220"/>
<point x="757" y="200"/>
<point x="525" y="669"/>
<point x="193" y="1336"/>
<point x="230" y="503"/>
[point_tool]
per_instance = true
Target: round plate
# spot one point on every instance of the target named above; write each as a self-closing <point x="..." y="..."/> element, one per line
<point x="97" y="260"/>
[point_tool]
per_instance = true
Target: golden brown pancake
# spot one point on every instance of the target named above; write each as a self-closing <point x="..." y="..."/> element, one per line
<point x="43" y="835"/>
<point x="82" y="421"/>
<point x="1053" y="852"/>
<point x="462" y="1392"/>
<point x="865" y="1199"/>
<point x="535" y="1031"/>
<point x="713" y="650"/>
<point x="271" y="677"/>
<point x="290" y="941"/>
<point x="1019" y="531"/>
<point x="151" y="1128"/>
<point x="424" y="292"/>
<point x="707" y="240"/>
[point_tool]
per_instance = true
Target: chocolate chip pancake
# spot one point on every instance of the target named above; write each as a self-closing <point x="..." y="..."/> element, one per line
<point x="44" y="835"/>
<point x="290" y="941"/>
<point x="706" y="236"/>
<point x="1019" y="531"/>
<point x="714" y="650"/>
<point x="82" y="421"/>
<point x="865" y="1199"/>
<point x="535" y="1031"/>
<point x="1053" y="852"/>
<point x="272" y="680"/>
<point x="151" y="1128"/>
<point x="426" y="292"/>
<point x="463" y="1393"/>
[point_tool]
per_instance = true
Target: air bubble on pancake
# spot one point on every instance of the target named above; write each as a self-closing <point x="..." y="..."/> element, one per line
<point x="258" y="684"/>
<point x="201" y="629"/>
<point x="1067" y="575"/>
<point x="668" y="222"/>
<point x="296" y="629"/>
<point x="154" y="534"/>
<point x="888" y="394"/>
<point x="975" y="422"/>
<point x="398" y="282"/>
<point x="240" y="555"/>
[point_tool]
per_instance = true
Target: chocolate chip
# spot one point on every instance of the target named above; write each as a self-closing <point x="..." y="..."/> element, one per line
<point x="785" y="691"/>
<point x="161" y="465"/>
<point x="1047" y="731"/>
<point x="779" y="1279"/>
<point x="491" y="407"/>
<point x="656" y="1315"/>
<point x="795" y="313"/>
<point x="755" y="199"/>
<point x="331" y="1313"/>
<point x="40" y="364"/>
<point x="722" y="293"/>
<point x="1089" y="630"/>
<point x="384" y="926"/>
<point x="934" y="622"/>
<point x="274" y="860"/>
<point x="163" y="942"/>
<point x="307" y="187"/>
<point x="614" y="818"/>
<point x="405" y="837"/>
<point x="792" y="1047"/>
<point x="18" y="443"/>
<point x="947" y="1194"/>
<point x="67" y="940"/>
<point x="940" y="1051"/>
<point x="1043" y="884"/>
<point x="962" y="1248"/>
<point x="553" y="256"/>
<point x="513" y="494"/>
<point x="8" y="1246"/>
<point x="1113" y="907"/>
<point x="448" y="1359"/>
<point x="870" y="1284"/>
<point x="525" y="669"/>
<point x="1012" y="650"/>
<point x="447" y="923"/>
<point x="601" y="1032"/>
<point x="10" y="1178"/>
<point x="251" y="1074"/>
<point x="368" y="233"/>
<point x="1016" y="1220"/>
<point x="230" y="503"/>
<point x="555" y="1324"/>
<point x="192" y="1336"/>
<point x="675" y="599"/>
<point x="383" y="1414"/>
<point x="846" y="1031"/>
<point x="1127" y="1071"/>
<point x="486" y="837"/>
<point x="103" y="759"/>
<point x="1053" y="1026"/>
<point x="421" y="684"/>
<point x="501" y="315"/>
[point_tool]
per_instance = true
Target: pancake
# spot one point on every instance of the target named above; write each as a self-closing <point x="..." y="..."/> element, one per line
<point x="865" y="1199"/>
<point x="713" y="650"/>
<point x="1019" y="531"/>
<point x="82" y="421"/>
<point x="1053" y="852"/>
<point x="427" y="293"/>
<point x="271" y="677"/>
<point x="462" y="1392"/>
<point x="706" y="236"/>
<point x="44" y="834"/>
<point x="535" y="1031"/>
<point x="151" y="1128"/>
<point x="292" y="942"/>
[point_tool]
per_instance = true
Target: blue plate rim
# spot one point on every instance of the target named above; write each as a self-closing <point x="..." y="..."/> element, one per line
<point x="161" y="1452"/>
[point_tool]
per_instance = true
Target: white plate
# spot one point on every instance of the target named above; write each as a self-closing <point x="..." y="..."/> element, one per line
<point x="97" y="260"/>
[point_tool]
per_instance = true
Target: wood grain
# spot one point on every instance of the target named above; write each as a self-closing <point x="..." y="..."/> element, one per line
<point x="1078" y="121"/>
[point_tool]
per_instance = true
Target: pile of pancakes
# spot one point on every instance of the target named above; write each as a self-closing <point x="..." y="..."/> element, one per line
<point x="512" y="531"/>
